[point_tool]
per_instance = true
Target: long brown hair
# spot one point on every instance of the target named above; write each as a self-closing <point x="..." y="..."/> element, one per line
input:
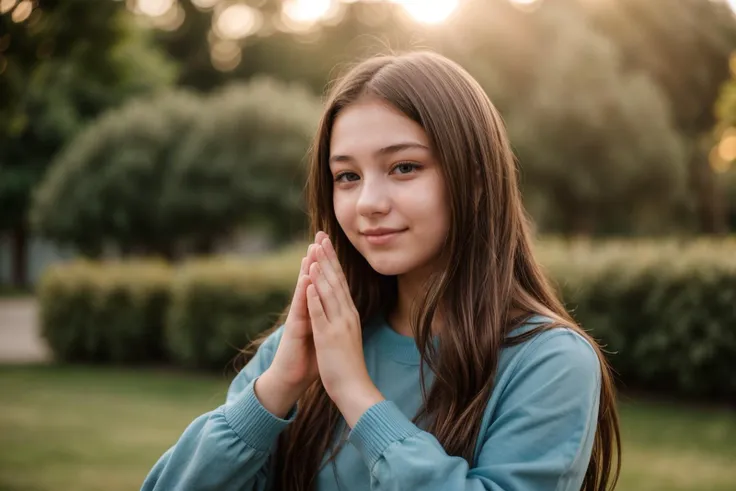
<point x="490" y="272"/>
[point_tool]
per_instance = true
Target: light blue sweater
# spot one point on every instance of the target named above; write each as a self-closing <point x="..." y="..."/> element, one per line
<point x="536" y="434"/>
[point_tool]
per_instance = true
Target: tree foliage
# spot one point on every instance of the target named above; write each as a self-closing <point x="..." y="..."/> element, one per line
<point x="598" y="147"/>
<point x="66" y="64"/>
<point x="653" y="66"/>
<point x="178" y="170"/>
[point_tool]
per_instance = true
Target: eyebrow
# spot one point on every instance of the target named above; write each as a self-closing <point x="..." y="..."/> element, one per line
<point x="382" y="152"/>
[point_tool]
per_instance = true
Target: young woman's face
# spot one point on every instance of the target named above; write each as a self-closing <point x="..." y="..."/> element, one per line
<point x="389" y="194"/>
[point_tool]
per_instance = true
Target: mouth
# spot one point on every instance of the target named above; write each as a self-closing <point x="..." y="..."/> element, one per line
<point x="382" y="236"/>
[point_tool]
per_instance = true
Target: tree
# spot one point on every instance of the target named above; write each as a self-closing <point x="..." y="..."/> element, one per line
<point x="722" y="147"/>
<point x="68" y="62"/>
<point x="684" y="46"/>
<point x="176" y="172"/>
<point x="597" y="145"/>
<point x="244" y="162"/>
<point x="105" y="186"/>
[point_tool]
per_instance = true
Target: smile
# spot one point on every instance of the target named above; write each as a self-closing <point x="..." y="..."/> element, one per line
<point x="382" y="237"/>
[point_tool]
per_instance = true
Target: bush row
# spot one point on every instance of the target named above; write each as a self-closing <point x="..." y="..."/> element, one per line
<point x="665" y="311"/>
<point x="198" y="316"/>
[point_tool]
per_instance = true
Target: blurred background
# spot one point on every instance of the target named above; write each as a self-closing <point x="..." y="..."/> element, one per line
<point x="152" y="163"/>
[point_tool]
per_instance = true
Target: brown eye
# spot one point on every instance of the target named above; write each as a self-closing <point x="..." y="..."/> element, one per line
<point x="346" y="177"/>
<point x="406" y="167"/>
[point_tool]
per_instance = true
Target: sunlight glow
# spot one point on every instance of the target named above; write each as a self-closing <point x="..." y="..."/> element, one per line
<point x="429" y="11"/>
<point x="526" y="5"/>
<point x="732" y="5"/>
<point x="307" y="11"/>
<point x="303" y="15"/>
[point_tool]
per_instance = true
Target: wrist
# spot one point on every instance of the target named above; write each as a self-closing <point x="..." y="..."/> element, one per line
<point x="276" y="395"/>
<point x="352" y="404"/>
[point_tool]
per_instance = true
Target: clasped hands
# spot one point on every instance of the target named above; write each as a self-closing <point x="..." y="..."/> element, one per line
<point x="322" y="338"/>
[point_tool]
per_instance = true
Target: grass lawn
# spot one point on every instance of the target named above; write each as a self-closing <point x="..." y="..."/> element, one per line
<point x="85" y="429"/>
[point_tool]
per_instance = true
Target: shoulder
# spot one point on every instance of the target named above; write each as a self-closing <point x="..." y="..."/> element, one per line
<point x="558" y="355"/>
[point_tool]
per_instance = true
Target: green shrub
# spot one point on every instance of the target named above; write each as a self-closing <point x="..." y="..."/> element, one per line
<point x="106" y="186"/>
<point x="219" y="306"/>
<point x="105" y="313"/>
<point x="176" y="171"/>
<point x="665" y="311"/>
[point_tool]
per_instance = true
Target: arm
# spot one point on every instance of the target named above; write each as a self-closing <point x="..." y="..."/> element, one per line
<point x="540" y="439"/>
<point x="227" y="448"/>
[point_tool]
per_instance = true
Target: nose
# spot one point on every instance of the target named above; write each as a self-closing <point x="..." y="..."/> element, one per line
<point x="374" y="198"/>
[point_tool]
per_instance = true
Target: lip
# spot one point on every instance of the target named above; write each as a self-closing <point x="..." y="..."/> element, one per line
<point x="380" y="236"/>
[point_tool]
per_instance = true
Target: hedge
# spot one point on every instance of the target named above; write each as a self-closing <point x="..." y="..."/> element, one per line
<point x="219" y="306"/>
<point x="665" y="311"/>
<point x="110" y="313"/>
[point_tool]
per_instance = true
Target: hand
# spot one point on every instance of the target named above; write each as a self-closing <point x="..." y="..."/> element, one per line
<point x="294" y="366"/>
<point x="338" y="337"/>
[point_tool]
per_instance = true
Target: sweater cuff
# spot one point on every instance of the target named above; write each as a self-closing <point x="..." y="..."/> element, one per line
<point x="252" y="422"/>
<point x="380" y="426"/>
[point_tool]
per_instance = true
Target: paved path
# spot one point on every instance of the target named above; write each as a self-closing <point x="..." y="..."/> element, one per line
<point x="20" y="340"/>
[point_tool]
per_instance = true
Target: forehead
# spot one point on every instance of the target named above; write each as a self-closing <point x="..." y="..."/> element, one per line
<point x="367" y="125"/>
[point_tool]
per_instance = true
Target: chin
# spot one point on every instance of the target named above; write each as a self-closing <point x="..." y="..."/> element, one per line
<point x="391" y="266"/>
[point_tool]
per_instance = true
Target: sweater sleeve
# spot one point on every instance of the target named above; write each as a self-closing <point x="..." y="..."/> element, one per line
<point x="540" y="437"/>
<point x="228" y="448"/>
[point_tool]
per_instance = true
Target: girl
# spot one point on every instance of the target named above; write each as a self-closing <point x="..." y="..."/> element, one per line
<point x="423" y="349"/>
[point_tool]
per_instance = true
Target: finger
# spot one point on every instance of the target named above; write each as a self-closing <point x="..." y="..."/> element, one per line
<point x="326" y="293"/>
<point x="316" y="311"/>
<point x="335" y="262"/>
<point x="298" y="302"/>
<point x="319" y="237"/>
<point x="331" y="275"/>
<point x="310" y="258"/>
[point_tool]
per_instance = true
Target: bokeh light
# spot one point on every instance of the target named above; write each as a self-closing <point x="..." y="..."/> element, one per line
<point x="155" y="8"/>
<point x="303" y="15"/>
<point x="429" y="11"/>
<point x="727" y="145"/>
<point x="237" y="21"/>
<point x="226" y="55"/>
<point x="171" y="20"/>
<point x="7" y="5"/>
<point x="306" y="11"/>
<point x="22" y="11"/>
<point x="205" y="4"/>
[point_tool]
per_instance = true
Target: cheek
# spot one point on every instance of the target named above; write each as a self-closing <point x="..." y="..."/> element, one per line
<point x="430" y="205"/>
<point x="344" y="212"/>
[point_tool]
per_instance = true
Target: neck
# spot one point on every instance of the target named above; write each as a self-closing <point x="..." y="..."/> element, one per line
<point x="410" y="289"/>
